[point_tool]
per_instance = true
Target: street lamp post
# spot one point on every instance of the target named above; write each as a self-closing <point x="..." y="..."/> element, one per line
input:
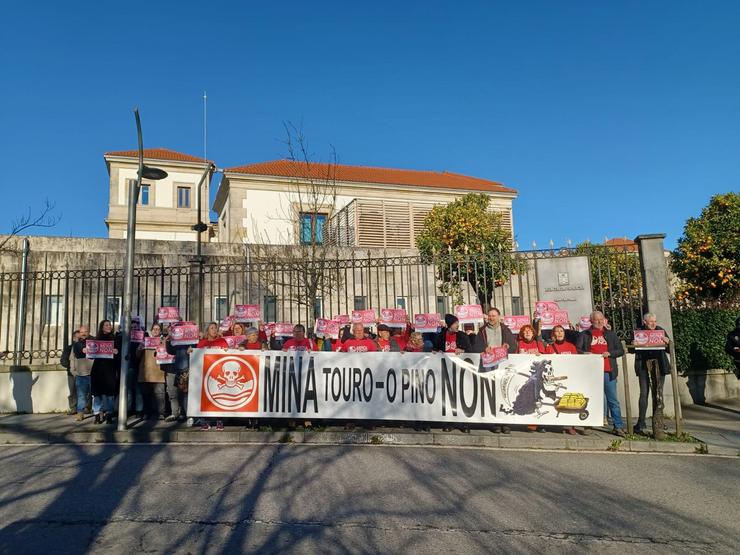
<point x="153" y="174"/>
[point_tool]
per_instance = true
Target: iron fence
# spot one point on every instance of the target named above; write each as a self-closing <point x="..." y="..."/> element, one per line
<point x="59" y="301"/>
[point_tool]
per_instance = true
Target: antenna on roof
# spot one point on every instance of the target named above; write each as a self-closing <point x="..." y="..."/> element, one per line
<point x="205" y="126"/>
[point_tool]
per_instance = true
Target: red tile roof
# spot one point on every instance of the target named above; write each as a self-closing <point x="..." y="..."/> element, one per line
<point x="157" y="154"/>
<point x="365" y="174"/>
<point x="627" y="244"/>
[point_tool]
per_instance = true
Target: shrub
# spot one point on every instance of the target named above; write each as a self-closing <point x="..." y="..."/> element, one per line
<point x="700" y="335"/>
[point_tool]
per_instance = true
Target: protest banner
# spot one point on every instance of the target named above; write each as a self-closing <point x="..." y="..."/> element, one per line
<point x="247" y="313"/>
<point x="152" y="342"/>
<point x="393" y="317"/>
<point x="551" y="318"/>
<point x="137" y="336"/>
<point x="563" y="390"/>
<point x="364" y="316"/>
<point x="99" y="349"/>
<point x="283" y="329"/>
<point x="426" y="323"/>
<point x="495" y="356"/>
<point x="326" y="328"/>
<point x="649" y="339"/>
<point x="187" y="334"/>
<point x="168" y="314"/>
<point x="161" y="356"/>
<point x="515" y="323"/>
<point x="469" y="313"/>
<point x="233" y="341"/>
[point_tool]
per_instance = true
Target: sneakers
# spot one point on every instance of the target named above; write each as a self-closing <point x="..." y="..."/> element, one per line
<point x="189" y="422"/>
<point x="205" y="425"/>
<point x="619" y="432"/>
<point x="171" y="418"/>
<point x="220" y="425"/>
<point x="570" y="430"/>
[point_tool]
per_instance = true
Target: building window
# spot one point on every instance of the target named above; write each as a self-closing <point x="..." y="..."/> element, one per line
<point x="113" y="309"/>
<point x="516" y="306"/>
<point x="312" y="228"/>
<point x="220" y="307"/>
<point x="183" y="197"/>
<point x="401" y="302"/>
<point x="270" y="308"/>
<point x="360" y="303"/>
<point x="318" y="307"/>
<point x="442" y="305"/>
<point x="53" y="312"/>
<point x="170" y="300"/>
<point x="144" y="195"/>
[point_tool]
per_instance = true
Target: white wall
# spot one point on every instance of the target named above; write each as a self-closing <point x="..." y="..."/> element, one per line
<point x="163" y="191"/>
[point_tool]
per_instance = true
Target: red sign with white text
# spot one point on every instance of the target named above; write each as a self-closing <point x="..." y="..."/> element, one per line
<point x="364" y="316"/>
<point x="226" y="323"/>
<point x="247" y="312"/>
<point x="551" y="318"/>
<point x="152" y="342"/>
<point x="393" y="317"/>
<point x="515" y="323"/>
<point x="649" y="339"/>
<point x="230" y="383"/>
<point x="161" y="356"/>
<point x="426" y="323"/>
<point x="326" y="328"/>
<point x="283" y="329"/>
<point x="137" y="336"/>
<point x="585" y="323"/>
<point x="540" y="307"/>
<point x="469" y="313"/>
<point x="168" y="314"/>
<point x="233" y="341"/>
<point x="98" y="349"/>
<point x="184" y="335"/>
<point x="495" y="356"/>
<point x="343" y="319"/>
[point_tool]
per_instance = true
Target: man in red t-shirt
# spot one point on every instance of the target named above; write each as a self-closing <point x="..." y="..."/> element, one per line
<point x="385" y="342"/>
<point x="358" y="343"/>
<point x="299" y="342"/>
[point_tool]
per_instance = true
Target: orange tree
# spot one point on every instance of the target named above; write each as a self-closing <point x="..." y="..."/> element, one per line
<point x="468" y="243"/>
<point x="707" y="258"/>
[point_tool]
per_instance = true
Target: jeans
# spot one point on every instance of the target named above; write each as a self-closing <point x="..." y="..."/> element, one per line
<point x="132" y="386"/>
<point x="176" y="395"/>
<point x="612" y="401"/>
<point x="82" y="388"/>
<point x="104" y="403"/>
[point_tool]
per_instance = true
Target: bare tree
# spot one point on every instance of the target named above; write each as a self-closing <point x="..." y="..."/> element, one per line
<point x="304" y="270"/>
<point x="45" y="218"/>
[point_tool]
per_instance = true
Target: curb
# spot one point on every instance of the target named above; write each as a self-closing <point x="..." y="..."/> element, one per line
<point x="356" y="437"/>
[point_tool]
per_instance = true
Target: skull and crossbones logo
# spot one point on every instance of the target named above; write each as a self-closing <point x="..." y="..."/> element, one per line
<point x="231" y="375"/>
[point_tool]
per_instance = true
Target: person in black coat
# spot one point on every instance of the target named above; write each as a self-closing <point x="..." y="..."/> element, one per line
<point x="105" y="375"/>
<point x="494" y="334"/>
<point x="649" y="322"/>
<point x="451" y="339"/>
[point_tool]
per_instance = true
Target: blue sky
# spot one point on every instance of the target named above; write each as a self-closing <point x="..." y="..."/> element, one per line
<point x="610" y="118"/>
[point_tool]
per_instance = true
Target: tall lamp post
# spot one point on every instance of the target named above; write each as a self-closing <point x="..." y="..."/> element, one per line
<point x="152" y="174"/>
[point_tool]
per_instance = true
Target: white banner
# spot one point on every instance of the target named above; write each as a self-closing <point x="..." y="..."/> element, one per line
<point x="564" y="390"/>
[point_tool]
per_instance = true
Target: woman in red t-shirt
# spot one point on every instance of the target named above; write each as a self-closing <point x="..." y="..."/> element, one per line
<point x="253" y="340"/>
<point x="212" y="338"/>
<point x="527" y="344"/>
<point x="415" y="344"/>
<point x="560" y="346"/>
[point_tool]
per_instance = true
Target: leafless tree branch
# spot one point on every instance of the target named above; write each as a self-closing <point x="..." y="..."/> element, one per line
<point x="45" y="218"/>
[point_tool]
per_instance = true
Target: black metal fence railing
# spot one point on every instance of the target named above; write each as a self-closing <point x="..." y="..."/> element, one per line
<point x="58" y="301"/>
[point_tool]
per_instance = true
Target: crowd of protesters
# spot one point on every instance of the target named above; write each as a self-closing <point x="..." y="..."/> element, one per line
<point x="159" y="391"/>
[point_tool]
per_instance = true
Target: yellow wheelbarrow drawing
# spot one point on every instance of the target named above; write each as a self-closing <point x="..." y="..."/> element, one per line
<point x="573" y="403"/>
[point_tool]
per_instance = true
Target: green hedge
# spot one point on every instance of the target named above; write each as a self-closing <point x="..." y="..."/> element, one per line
<point x="700" y="335"/>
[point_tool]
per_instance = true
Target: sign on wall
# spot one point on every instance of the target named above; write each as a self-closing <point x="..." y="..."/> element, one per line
<point x="567" y="282"/>
<point x="433" y="387"/>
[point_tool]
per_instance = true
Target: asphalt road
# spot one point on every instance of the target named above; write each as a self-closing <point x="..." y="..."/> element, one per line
<point x="361" y="499"/>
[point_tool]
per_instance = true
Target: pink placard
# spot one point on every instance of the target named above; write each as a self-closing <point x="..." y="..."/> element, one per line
<point x="584" y="323"/>
<point x="393" y="317"/>
<point x="367" y="316"/>
<point x="426" y="323"/>
<point x="98" y="349"/>
<point x="152" y="342"/>
<point x="649" y="339"/>
<point x="515" y="323"/>
<point x="137" y="336"/>
<point x="187" y="334"/>
<point x="469" y="313"/>
<point x="326" y="328"/>
<point x="226" y="323"/>
<point x="162" y="356"/>
<point x="168" y="314"/>
<point x="269" y="329"/>
<point x="551" y="318"/>
<point x="284" y="329"/>
<point x="247" y="312"/>
<point x="233" y="341"/>
<point x="495" y="356"/>
<point x="343" y="319"/>
<point x="541" y="307"/>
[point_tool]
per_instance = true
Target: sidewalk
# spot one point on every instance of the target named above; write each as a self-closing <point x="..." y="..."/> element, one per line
<point x="717" y="429"/>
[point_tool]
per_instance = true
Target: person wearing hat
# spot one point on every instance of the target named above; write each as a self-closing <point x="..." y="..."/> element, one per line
<point x="386" y="343"/>
<point x="451" y="339"/>
<point x="253" y="340"/>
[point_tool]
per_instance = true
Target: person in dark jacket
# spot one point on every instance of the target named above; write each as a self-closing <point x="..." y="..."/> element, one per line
<point x="604" y="342"/>
<point x="494" y="334"/>
<point x="66" y="362"/>
<point x="732" y="347"/>
<point x="649" y="322"/>
<point x="104" y="376"/>
<point x="451" y="339"/>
